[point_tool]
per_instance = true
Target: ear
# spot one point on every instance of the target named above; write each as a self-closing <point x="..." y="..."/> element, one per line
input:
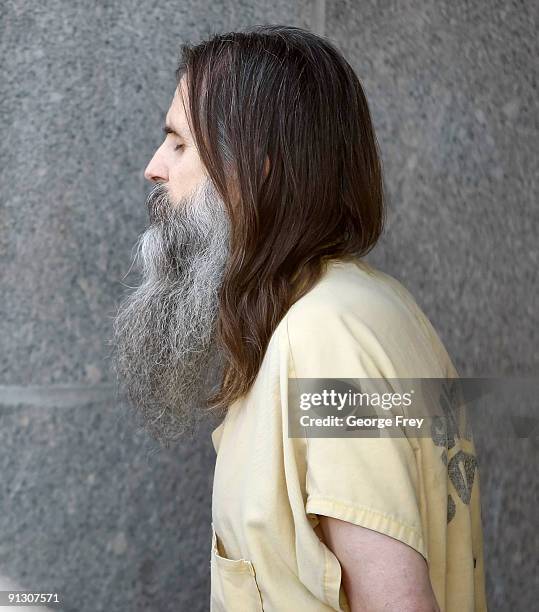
<point x="266" y="167"/>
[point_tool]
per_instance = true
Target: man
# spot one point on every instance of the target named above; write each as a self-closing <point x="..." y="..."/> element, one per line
<point x="268" y="193"/>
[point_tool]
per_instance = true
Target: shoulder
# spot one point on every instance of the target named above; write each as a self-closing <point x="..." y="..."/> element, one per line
<point x="347" y="289"/>
<point x="357" y="312"/>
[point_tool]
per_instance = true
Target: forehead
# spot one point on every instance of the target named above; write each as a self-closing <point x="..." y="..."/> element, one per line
<point x="176" y="116"/>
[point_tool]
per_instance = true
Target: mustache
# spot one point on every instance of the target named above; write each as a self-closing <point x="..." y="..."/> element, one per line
<point x="158" y="203"/>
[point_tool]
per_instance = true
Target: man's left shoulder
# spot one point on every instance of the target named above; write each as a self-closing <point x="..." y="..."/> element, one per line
<point x="370" y="321"/>
<point x="349" y="298"/>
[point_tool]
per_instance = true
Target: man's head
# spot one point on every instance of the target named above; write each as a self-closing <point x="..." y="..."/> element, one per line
<point x="269" y="168"/>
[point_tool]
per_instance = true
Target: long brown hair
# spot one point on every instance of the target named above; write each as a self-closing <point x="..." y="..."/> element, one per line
<point x="288" y="94"/>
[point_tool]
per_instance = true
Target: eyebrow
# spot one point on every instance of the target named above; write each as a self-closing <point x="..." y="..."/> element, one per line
<point x="168" y="129"/>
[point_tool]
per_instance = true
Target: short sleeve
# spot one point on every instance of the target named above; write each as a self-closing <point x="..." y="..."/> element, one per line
<point x="371" y="482"/>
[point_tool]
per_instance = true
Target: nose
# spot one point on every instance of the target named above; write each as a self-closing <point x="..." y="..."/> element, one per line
<point x="155" y="171"/>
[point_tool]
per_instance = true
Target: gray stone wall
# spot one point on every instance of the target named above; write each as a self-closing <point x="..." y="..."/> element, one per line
<point x="89" y="506"/>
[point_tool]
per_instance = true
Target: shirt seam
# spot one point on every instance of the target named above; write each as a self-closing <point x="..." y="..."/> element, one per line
<point x="293" y="371"/>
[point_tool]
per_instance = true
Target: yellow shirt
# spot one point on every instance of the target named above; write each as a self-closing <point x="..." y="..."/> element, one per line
<point x="268" y="489"/>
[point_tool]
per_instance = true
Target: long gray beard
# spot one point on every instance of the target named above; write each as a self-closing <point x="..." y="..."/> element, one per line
<point x="165" y="355"/>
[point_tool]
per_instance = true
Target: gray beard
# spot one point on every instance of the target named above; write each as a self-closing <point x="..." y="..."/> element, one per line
<point x="165" y="355"/>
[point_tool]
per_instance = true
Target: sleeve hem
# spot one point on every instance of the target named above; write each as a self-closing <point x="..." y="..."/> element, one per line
<point x="370" y="519"/>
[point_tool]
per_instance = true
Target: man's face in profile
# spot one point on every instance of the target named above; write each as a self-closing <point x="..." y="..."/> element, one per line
<point x="164" y="332"/>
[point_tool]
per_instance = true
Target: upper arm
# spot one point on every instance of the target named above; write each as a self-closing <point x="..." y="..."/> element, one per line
<point x="378" y="572"/>
<point x="366" y="490"/>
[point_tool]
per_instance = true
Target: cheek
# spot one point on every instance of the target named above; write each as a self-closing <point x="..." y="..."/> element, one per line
<point x="184" y="178"/>
<point x="186" y="173"/>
